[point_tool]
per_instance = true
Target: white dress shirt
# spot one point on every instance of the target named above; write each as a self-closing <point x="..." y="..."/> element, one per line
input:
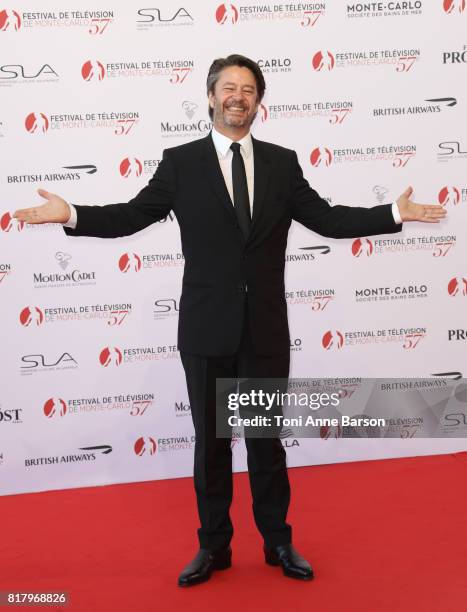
<point x="224" y="153"/>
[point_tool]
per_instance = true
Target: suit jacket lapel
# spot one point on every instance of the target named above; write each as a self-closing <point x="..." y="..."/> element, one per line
<point x="262" y="171"/>
<point x="214" y="174"/>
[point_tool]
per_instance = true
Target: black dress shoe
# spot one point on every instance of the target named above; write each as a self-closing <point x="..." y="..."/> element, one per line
<point x="293" y="564"/>
<point x="202" y="566"/>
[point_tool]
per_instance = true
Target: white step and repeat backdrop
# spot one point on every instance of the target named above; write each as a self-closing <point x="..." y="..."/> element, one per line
<point x="372" y="95"/>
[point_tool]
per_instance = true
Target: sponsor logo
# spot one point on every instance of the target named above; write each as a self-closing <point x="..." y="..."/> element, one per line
<point x="399" y="155"/>
<point x="92" y="454"/>
<point x="112" y="356"/>
<point x="154" y="17"/>
<point x="296" y="344"/>
<point x="33" y="364"/>
<point x="309" y="253"/>
<point x="306" y="15"/>
<point x="136" y="404"/>
<point x="65" y="278"/>
<point x="95" y="22"/>
<point x="165" y="307"/>
<point x="121" y="123"/>
<point x="451" y="150"/>
<point x="9" y="20"/>
<point x="36" y="123"/>
<point x="111" y="314"/>
<point x="450" y="195"/>
<point x="335" y="111"/>
<point x="455" y="335"/>
<point x="380" y="193"/>
<point x="13" y="74"/>
<point x="457" y="286"/>
<point x="452" y="7"/>
<point x="278" y="64"/>
<point x="455" y="57"/>
<point x="147" y="445"/>
<point x="320" y="156"/>
<point x="362" y="247"/>
<point x="31" y="315"/>
<point x="316" y="299"/>
<point x="132" y="262"/>
<point x="396" y="8"/>
<point x="5" y="270"/>
<point x="54" y="407"/>
<point x="183" y="129"/>
<point x="182" y="409"/>
<point x="174" y="70"/>
<point x="226" y="13"/>
<point x="332" y="339"/>
<point x="75" y="173"/>
<point x="408" y="337"/>
<point x="8" y="223"/>
<point x="435" y="106"/>
<point x="130" y="166"/>
<point x="92" y="71"/>
<point x="10" y="415"/>
<point x="438" y="246"/>
<point x="401" y="60"/>
<point x="399" y="292"/>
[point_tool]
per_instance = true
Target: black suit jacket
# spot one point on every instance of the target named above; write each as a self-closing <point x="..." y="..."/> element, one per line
<point x="221" y="268"/>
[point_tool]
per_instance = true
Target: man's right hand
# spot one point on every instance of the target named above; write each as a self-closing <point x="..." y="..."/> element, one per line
<point x="55" y="210"/>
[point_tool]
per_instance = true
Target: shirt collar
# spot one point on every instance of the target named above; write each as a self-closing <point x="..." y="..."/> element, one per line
<point x="222" y="143"/>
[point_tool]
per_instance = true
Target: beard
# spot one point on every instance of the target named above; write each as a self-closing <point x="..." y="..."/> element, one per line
<point x="223" y="116"/>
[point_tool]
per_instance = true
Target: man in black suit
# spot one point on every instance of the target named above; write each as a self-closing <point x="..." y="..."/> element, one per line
<point x="234" y="198"/>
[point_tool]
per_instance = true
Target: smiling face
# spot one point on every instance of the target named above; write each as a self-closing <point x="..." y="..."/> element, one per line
<point x="234" y="100"/>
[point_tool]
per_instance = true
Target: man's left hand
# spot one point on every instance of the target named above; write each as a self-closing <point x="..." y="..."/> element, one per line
<point x="410" y="211"/>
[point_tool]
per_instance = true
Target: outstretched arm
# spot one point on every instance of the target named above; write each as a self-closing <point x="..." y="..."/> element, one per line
<point x="340" y="221"/>
<point x="152" y="203"/>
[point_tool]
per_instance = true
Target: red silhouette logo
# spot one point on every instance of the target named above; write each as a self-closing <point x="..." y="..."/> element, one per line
<point x="54" y="406"/>
<point x="323" y="60"/>
<point x="31" y="315"/>
<point x="332" y="340"/>
<point x="226" y="13"/>
<point x="92" y="70"/>
<point x="110" y="355"/>
<point x="36" y="123"/>
<point x="321" y="156"/>
<point x="145" y="446"/>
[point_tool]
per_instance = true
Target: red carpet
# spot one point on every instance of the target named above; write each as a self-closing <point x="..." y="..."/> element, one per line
<point x="381" y="535"/>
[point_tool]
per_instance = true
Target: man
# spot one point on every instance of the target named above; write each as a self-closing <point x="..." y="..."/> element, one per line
<point x="234" y="198"/>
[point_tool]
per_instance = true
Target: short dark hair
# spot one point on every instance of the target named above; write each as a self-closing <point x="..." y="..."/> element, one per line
<point x="234" y="60"/>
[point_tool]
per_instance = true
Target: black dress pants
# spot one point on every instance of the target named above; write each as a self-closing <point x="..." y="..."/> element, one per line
<point x="213" y="456"/>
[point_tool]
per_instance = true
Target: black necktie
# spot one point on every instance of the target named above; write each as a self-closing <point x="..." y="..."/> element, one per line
<point x="240" y="190"/>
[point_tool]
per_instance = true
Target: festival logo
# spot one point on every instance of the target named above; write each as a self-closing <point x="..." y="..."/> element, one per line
<point x="226" y="13"/>
<point x="36" y="123"/>
<point x="54" y="406"/>
<point x="332" y="339"/>
<point x="130" y="166"/>
<point x="93" y="70"/>
<point x="110" y="356"/>
<point x="9" y="20"/>
<point x="362" y="247"/>
<point x="129" y="262"/>
<point x="452" y="7"/>
<point x="457" y="286"/>
<point x="9" y="223"/>
<point x="31" y="315"/>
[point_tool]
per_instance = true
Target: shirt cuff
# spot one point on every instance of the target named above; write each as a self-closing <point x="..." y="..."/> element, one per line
<point x="73" y="220"/>
<point x="395" y="213"/>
